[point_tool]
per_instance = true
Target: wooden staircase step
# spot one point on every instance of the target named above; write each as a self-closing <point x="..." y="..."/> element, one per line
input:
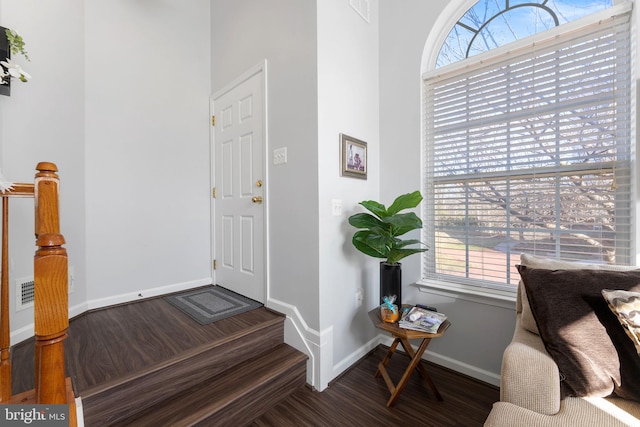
<point x="235" y="397"/>
<point x="123" y="398"/>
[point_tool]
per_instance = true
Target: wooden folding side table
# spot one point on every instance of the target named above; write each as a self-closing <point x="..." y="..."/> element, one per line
<point x="402" y="336"/>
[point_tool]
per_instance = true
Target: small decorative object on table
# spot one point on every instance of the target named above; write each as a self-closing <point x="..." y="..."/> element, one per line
<point x="422" y="319"/>
<point x="389" y="311"/>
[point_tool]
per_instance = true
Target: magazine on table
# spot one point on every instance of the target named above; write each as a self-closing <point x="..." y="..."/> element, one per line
<point x="421" y="319"/>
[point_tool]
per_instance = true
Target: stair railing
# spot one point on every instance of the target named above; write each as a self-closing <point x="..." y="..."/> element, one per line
<point x="51" y="305"/>
<point x="18" y="190"/>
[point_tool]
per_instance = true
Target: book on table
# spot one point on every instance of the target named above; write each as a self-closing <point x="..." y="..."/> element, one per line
<point x="421" y="319"/>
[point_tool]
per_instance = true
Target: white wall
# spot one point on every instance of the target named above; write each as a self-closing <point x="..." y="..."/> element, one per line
<point x="119" y="100"/>
<point x="43" y="120"/>
<point x="246" y="33"/>
<point x="348" y="102"/>
<point x="147" y="147"/>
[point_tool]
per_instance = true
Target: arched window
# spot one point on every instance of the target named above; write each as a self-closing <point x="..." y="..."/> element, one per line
<point x="528" y="138"/>
<point x="493" y="23"/>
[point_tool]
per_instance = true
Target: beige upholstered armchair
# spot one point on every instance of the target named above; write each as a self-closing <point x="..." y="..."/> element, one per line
<point x="531" y="390"/>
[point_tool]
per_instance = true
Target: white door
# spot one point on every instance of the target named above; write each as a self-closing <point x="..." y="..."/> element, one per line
<point x="240" y="187"/>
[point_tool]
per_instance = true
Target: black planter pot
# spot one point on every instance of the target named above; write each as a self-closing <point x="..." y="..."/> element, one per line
<point x="391" y="281"/>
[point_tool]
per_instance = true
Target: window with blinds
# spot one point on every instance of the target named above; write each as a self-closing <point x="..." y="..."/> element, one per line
<point x="528" y="151"/>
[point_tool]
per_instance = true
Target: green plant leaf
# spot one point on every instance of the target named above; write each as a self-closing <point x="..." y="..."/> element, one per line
<point x="403" y="243"/>
<point x="403" y="223"/>
<point x="376" y="208"/>
<point x="405" y="201"/>
<point x="365" y="220"/>
<point x="16" y="43"/>
<point x="395" y="255"/>
<point x="370" y="244"/>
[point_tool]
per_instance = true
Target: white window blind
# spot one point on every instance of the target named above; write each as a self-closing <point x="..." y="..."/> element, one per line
<point x="528" y="150"/>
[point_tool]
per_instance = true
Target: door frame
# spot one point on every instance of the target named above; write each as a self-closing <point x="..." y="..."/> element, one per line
<point x="258" y="69"/>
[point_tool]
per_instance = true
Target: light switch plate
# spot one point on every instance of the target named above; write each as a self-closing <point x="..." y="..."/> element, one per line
<point x="336" y="207"/>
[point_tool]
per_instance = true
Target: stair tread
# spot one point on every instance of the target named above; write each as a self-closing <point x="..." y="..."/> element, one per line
<point x="127" y="396"/>
<point x="215" y="395"/>
<point x="184" y="356"/>
<point x="128" y="338"/>
<point x="152" y="336"/>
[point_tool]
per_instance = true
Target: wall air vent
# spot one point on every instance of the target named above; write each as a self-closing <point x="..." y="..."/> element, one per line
<point x="24" y="293"/>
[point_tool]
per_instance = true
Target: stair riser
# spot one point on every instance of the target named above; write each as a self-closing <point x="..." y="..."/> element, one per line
<point x="240" y="394"/>
<point x="148" y="389"/>
<point x="258" y="401"/>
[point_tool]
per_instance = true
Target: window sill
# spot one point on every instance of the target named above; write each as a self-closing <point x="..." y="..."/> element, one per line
<point x="494" y="297"/>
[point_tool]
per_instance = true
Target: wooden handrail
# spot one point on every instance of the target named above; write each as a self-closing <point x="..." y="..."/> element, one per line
<point x="51" y="305"/>
<point x="19" y="190"/>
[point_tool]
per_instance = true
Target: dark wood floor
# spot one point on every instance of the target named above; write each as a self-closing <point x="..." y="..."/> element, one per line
<point x="107" y="344"/>
<point x="358" y="399"/>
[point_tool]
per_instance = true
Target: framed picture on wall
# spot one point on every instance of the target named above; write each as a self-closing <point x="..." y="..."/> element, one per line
<point x="353" y="157"/>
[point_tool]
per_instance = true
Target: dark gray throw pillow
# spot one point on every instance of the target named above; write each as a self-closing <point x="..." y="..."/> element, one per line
<point x="584" y="338"/>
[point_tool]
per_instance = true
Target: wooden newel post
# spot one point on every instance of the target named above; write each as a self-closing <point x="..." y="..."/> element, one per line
<point x="47" y="212"/>
<point x="51" y="318"/>
<point x="51" y="304"/>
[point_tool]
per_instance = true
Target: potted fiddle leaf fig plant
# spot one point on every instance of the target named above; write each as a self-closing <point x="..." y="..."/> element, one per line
<point x="379" y="236"/>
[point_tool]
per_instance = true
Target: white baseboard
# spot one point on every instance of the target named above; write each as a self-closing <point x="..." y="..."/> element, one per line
<point x="439" y="359"/>
<point x="27" y="331"/>
<point x="22" y="334"/>
<point x="455" y="365"/>
<point x="146" y="293"/>
<point x="315" y="344"/>
<point x="79" y="412"/>
<point x="356" y="355"/>
<point x="319" y="347"/>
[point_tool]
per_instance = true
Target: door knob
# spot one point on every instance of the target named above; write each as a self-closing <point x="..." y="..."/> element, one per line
<point x="256" y="199"/>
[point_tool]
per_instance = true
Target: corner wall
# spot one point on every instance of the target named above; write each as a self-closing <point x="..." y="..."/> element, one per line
<point x="119" y="100"/>
<point x="349" y="103"/>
